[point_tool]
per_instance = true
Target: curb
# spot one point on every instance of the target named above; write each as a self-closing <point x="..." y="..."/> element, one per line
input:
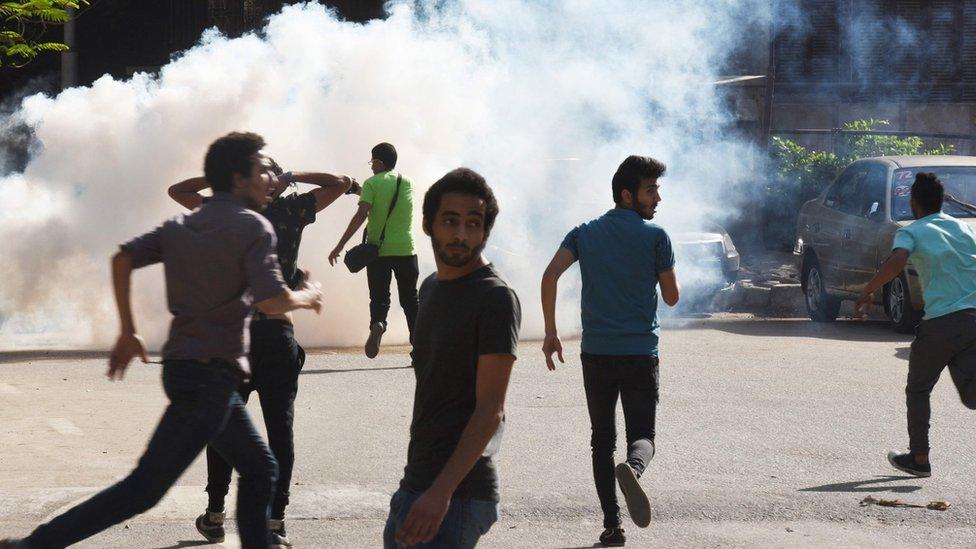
<point x="775" y="299"/>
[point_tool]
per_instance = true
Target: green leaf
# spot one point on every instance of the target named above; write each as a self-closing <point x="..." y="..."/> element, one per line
<point x="51" y="46"/>
<point x="22" y="50"/>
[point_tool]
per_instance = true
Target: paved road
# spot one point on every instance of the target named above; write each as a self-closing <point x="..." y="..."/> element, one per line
<point x="770" y="433"/>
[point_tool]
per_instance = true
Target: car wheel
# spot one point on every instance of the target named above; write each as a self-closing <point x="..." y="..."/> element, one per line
<point x="821" y="306"/>
<point x="898" y="301"/>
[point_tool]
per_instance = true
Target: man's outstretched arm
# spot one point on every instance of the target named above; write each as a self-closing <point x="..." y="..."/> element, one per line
<point x="355" y="223"/>
<point x="886" y="273"/>
<point x="307" y="296"/>
<point x="425" y="515"/>
<point x="187" y="192"/>
<point x="128" y="344"/>
<point x="550" y="286"/>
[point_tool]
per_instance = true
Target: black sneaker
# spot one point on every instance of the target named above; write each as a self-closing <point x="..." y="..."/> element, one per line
<point x="211" y="526"/>
<point x="12" y="543"/>
<point x="613" y="537"/>
<point x="277" y="527"/>
<point x="637" y="502"/>
<point x="376" y="331"/>
<point x="906" y="463"/>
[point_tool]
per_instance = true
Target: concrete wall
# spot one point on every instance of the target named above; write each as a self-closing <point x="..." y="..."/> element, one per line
<point x="957" y="118"/>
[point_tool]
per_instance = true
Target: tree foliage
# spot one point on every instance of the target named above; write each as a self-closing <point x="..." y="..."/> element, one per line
<point x="800" y="174"/>
<point x="804" y="172"/>
<point x="22" y="24"/>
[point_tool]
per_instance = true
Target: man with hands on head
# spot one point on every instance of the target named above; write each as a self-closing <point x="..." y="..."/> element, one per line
<point x="219" y="261"/>
<point x="276" y="358"/>
<point x="465" y="341"/>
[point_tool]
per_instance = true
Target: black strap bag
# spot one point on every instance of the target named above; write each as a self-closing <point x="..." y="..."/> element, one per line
<point x="365" y="253"/>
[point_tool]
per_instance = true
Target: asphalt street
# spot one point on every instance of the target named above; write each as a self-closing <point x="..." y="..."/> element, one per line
<point x="770" y="434"/>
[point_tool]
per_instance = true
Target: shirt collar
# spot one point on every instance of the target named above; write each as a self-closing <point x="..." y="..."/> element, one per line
<point x="227" y="197"/>
<point x="624" y="213"/>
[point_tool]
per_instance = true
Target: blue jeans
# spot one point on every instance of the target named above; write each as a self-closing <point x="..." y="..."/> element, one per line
<point x="464" y="524"/>
<point x="204" y="408"/>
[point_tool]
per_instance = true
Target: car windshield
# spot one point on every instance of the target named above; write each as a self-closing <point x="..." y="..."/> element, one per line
<point x="959" y="181"/>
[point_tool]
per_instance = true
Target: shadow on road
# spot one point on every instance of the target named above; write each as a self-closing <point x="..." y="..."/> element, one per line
<point x="342" y="370"/>
<point x="850" y="330"/>
<point x="903" y="352"/>
<point x="30" y="356"/>
<point x="870" y="485"/>
<point x="186" y="543"/>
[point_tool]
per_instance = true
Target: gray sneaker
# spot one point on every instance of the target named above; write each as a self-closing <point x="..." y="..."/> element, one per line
<point x="637" y="502"/>
<point x="376" y="331"/>
<point x="211" y="526"/>
<point x="277" y="528"/>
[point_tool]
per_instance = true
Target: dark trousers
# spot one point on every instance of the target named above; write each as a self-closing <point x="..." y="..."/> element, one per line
<point x="635" y="380"/>
<point x="948" y="340"/>
<point x="204" y="408"/>
<point x="379" y="275"/>
<point x="276" y="360"/>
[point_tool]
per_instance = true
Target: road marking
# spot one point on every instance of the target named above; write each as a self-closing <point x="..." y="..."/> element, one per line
<point x="8" y="389"/>
<point x="64" y="426"/>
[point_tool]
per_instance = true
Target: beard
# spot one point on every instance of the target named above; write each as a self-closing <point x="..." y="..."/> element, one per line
<point x="646" y="211"/>
<point x="457" y="255"/>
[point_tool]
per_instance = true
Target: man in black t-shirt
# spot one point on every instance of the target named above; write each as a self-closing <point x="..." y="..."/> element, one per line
<point x="464" y="342"/>
<point x="276" y="358"/>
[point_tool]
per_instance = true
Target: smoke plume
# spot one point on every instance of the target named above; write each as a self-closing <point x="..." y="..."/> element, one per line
<point x="544" y="99"/>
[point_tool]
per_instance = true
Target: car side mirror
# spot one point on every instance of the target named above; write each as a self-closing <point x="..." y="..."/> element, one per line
<point x="875" y="213"/>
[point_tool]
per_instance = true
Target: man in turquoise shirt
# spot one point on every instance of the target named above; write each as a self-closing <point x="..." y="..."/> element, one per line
<point x="623" y="258"/>
<point x="943" y="251"/>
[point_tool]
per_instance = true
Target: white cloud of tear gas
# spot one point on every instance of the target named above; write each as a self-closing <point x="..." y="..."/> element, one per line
<point x="543" y="98"/>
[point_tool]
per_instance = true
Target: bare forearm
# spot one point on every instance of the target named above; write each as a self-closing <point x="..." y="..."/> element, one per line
<point x="320" y="179"/>
<point x="475" y="437"/>
<point x="122" y="283"/>
<point x="550" y="288"/>
<point x="888" y="272"/>
<point x="187" y="192"/>
<point x="354" y="224"/>
<point x="287" y="301"/>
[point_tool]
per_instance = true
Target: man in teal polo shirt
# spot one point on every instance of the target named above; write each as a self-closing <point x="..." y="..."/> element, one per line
<point x="623" y="258"/>
<point x="392" y="231"/>
<point x="943" y="251"/>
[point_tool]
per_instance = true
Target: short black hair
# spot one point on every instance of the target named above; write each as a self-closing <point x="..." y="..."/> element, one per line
<point x="387" y="154"/>
<point x="228" y="155"/>
<point x="631" y="171"/>
<point x="463" y="181"/>
<point x="928" y="192"/>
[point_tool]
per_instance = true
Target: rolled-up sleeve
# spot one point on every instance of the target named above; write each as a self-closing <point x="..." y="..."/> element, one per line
<point x="261" y="266"/>
<point x="145" y="249"/>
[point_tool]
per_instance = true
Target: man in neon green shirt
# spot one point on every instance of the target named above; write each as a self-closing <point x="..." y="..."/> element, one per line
<point x="392" y="231"/>
<point x="943" y="251"/>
